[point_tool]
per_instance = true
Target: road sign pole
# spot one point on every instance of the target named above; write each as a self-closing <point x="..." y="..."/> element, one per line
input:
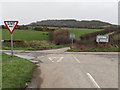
<point x="72" y="36"/>
<point x="72" y="41"/>
<point x="11" y="25"/>
<point x="11" y="37"/>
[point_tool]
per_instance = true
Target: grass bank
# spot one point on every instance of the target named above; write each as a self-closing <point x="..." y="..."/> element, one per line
<point x="95" y="50"/>
<point x="15" y="71"/>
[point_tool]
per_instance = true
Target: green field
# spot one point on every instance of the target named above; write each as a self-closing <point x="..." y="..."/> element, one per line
<point x="80" y="31"/>
<point x="0" y="70"/>
<point x="42" y="35"/>
<point x="117" y="37"/>
<point x="15" y="72"/>
<point x="25" y="35"/>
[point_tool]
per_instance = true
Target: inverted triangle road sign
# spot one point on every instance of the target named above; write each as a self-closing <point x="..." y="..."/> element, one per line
<point x="11" y="25"/>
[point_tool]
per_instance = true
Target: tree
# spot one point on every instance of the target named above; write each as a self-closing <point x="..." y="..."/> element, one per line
<point x="61" y="36"/>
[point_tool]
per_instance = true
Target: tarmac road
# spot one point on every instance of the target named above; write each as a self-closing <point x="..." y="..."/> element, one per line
<point x="59" y="69"/>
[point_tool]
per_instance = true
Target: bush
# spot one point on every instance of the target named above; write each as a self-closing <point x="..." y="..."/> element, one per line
<point x="41" y="29"/>
<point x="20" y="27"/>
<point x="61" y="36"/>
<point x="16" y="43"/>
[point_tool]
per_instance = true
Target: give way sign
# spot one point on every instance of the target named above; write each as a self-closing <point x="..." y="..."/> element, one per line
<point x="11" y="25"/>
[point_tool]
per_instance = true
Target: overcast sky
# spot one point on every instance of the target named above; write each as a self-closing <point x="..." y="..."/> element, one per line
<point x="27" y="12"/>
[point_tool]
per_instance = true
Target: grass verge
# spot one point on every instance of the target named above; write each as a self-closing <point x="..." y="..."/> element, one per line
<point x="15" y="71"/>
<point x="17" y="48"/>
<point x="35" y="48"/>
<point x="53" y="46"/>
<point x="95" y="50"/>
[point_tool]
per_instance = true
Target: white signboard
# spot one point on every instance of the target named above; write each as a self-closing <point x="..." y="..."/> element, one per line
<point x="72" y="35"/>
<point x="101" y="38"/>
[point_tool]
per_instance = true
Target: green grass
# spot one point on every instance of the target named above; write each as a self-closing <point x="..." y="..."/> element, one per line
<point x="81" y="31"/>
<point x="52" y="46"/>
<point x="95" y="50"/>
<point x="78" y="31"/>
<point x="53" y="27"/>
<point x="0" y="71"/>
<point x="15" y="71"/>
<point x="25" y="35"/>
<point x="17" y="48"/>
<point x="41" y="35"/>
<point x="30" y="48"/>
<point x="117" y="37"/>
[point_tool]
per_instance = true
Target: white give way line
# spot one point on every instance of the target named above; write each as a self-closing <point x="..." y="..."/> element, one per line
<point x="93" y="80"/>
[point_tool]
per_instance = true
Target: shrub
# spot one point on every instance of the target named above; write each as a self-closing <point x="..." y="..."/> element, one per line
<point x="61" y="36"/>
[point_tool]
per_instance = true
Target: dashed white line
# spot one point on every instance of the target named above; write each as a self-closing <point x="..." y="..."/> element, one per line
<point x="93" y="80"/>
<point x="76" y="59"/>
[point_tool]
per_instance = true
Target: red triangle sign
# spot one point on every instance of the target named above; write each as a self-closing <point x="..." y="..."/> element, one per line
<point x="11" y="25"/>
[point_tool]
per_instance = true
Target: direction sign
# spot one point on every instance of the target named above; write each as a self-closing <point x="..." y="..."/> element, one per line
<point x="101" y="38"/>
<point x="72" y="35"/>
<point x="11" y="25"/>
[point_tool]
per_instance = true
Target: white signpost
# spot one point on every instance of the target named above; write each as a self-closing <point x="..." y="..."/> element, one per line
<point x="101" y="38"/>
<point x="11" y="25"/>
<point x="72" y="36"/>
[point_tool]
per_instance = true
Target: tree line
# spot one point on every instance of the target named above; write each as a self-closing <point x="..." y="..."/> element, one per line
<point x="94" y="24"/>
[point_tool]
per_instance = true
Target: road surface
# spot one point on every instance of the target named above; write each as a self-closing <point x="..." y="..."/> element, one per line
<point x="59" y="69"/>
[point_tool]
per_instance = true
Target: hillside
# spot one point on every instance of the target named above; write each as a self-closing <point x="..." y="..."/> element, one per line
<point x="72" y="23"/>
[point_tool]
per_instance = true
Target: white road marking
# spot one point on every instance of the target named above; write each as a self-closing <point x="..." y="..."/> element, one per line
<point x="60" y="59"/>
<point x="55" y="59"/>
<point x="50" y="59"/>
<point x="93" y="80"/>
<point x="76" y="59"/>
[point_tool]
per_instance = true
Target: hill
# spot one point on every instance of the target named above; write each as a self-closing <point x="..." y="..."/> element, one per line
<point x="72" y="23"/>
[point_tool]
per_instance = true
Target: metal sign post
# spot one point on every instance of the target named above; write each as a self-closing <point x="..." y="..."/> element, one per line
<point x="72" y="36"/>
<point x="72" y="41"/>
<point x="11" y="37"/>
<point x="11" y="25"/>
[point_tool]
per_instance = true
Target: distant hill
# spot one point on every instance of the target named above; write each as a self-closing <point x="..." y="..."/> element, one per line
<point x="72" y="23"/>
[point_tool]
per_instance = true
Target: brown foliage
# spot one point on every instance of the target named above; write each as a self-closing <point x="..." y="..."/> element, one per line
<point x="61" y="36"/>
